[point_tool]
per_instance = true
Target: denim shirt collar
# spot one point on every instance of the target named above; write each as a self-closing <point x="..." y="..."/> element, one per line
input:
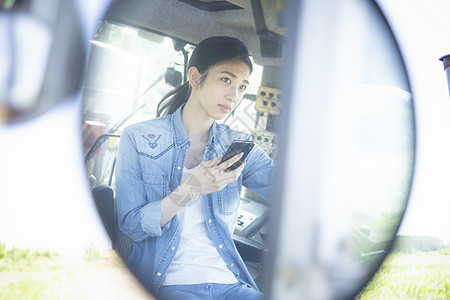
<point x="180" y="135"/>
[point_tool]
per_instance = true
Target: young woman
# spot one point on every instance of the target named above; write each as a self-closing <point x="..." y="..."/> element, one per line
<point x="173" y="199"/>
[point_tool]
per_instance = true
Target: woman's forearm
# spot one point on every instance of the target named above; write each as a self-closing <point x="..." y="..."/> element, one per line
<point x="175" y="201"/>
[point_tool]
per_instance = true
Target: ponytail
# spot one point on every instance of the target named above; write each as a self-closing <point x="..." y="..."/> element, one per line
<point x="173" y="100"/>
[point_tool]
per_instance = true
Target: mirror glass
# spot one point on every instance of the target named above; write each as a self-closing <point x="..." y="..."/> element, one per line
<point x="346" y="138"/>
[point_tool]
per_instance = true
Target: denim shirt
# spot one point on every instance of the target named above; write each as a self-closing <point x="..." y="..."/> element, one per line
<point x="149" y="167"/>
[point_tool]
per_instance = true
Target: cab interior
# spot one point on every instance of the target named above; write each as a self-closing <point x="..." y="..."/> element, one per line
<point x="139" y="53"/>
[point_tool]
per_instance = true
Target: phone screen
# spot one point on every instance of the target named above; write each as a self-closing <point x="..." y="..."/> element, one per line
<point x="236" y="147"/>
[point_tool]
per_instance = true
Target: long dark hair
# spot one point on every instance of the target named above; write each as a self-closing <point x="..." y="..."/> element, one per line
<point x="208" y="53"/>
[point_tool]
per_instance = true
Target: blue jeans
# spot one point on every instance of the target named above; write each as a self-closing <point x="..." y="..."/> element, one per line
<point x="209" y="291"/>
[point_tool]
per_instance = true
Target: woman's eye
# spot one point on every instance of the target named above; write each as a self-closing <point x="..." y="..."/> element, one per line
<point x="226" y="80"/>
<point x="243" y="87"/>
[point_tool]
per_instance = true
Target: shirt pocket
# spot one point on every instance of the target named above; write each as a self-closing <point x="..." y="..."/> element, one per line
<point x="229" y="198"/>
<point x="155" y="186"/>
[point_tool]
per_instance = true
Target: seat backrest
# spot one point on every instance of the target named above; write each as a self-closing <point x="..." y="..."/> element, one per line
<point x="104" y="200"/>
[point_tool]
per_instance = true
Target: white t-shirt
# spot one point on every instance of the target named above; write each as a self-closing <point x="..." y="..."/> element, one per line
<point x="196" y="260"/>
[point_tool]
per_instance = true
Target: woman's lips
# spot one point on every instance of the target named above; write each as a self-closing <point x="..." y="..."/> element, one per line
<point x="224" y="108"/>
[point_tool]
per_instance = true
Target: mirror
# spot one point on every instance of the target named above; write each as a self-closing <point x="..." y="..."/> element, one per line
<point x="446" y="61"/>
<point x="41" y="64"/>
<point x="343" y="138"/>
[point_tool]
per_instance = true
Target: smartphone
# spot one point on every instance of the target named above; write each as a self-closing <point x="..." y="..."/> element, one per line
<point x="236" y="147"/>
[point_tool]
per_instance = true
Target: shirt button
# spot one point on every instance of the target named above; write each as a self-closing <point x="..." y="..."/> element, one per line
<point x="173" y="247"/>
<point x="232" y="264"/>
<point x="209" y="221"/>
<point x="179" y="168"/>
<point x="159" y="274"/>
<point x="220" y="246"/>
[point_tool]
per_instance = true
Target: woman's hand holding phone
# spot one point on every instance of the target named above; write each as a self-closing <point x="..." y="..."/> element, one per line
<point x="210" y="176"/>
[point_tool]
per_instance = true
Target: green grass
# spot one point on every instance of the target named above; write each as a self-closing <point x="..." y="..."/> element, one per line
<point x="424" y="275"/>
<point x="29" y="274"/>
<point x="26" y="274"/>
<point x="46" y="285"/>
<point x="19" y="260"/>
<point x="42" y="275"/>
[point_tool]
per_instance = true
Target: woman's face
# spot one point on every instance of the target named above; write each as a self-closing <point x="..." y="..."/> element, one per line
<point x="223" y="88"/>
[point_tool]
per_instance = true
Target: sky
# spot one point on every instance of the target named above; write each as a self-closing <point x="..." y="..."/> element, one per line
<point x="45" y="201"/>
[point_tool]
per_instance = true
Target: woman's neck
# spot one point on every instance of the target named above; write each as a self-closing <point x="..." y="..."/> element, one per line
<point x="195" y="123"/>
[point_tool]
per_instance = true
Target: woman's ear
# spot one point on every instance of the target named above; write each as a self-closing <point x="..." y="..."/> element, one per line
<point x="194" y="77"/>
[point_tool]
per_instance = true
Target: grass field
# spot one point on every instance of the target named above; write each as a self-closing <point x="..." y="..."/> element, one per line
<point x="42" y="275"/>
<point x="424" y="275"/>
